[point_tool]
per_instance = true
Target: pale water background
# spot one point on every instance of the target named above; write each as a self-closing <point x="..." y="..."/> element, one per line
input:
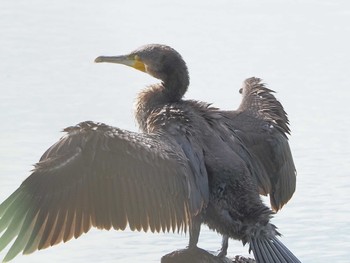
<point x="300" y="48"/>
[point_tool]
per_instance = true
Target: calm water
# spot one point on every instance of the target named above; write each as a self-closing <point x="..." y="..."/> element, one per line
<point x="300" y="48"/>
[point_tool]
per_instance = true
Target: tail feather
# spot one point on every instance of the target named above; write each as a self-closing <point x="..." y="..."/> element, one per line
<point x="256" y="249"/>
<point x="269" y="254"/>
<point x="285" y="249"/>
<point x="271" y="250"/>
<point x="277" y="253"/>
<point x="265" y="252"/>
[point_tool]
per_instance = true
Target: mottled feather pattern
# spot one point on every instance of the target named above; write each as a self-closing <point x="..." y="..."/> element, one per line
<point x="260" y="102"/>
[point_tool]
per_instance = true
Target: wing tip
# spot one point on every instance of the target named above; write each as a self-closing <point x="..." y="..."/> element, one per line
<point x="260" y="101"/>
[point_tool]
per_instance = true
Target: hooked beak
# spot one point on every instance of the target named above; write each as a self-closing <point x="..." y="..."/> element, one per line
<point x="129" y="60"/>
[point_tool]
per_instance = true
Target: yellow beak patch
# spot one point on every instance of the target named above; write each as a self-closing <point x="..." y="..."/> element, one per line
<point x="138" y="64"/>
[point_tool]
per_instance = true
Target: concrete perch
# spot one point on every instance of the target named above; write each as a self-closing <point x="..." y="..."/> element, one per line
<point x="200" y="256"/>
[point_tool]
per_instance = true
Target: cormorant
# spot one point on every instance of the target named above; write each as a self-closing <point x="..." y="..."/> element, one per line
<point x="191" y="164"/>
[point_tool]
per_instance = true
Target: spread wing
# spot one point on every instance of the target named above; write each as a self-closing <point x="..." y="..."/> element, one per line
<point x="262" y="124"/>
<point x="104" y="177"/>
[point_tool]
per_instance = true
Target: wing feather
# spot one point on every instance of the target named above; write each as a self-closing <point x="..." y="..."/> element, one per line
<point x="262" y="125"/>
<point x="104" y="177"/>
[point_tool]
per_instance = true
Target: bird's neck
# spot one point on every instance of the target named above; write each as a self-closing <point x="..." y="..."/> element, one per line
<point x="152" y="100"/>
<point x="175" y="85"/>
<point x="171" y="90"/>
<point x="148" y="102"/>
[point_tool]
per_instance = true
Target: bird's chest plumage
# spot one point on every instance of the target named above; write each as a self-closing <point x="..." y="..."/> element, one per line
<point x="171" y="119"/>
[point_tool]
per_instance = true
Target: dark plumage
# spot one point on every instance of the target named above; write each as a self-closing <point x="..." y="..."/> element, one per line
<point x="262" y="125"/>
<point x="191" y="164"/>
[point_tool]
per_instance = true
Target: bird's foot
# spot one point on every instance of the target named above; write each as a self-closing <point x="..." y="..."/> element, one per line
<point x="224" y="247"/>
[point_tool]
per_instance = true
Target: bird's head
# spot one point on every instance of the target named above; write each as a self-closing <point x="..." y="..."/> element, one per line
<point x="159" y="61"/>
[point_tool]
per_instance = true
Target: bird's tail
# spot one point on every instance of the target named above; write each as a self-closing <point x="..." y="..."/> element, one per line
<point x="271" y="250"/>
